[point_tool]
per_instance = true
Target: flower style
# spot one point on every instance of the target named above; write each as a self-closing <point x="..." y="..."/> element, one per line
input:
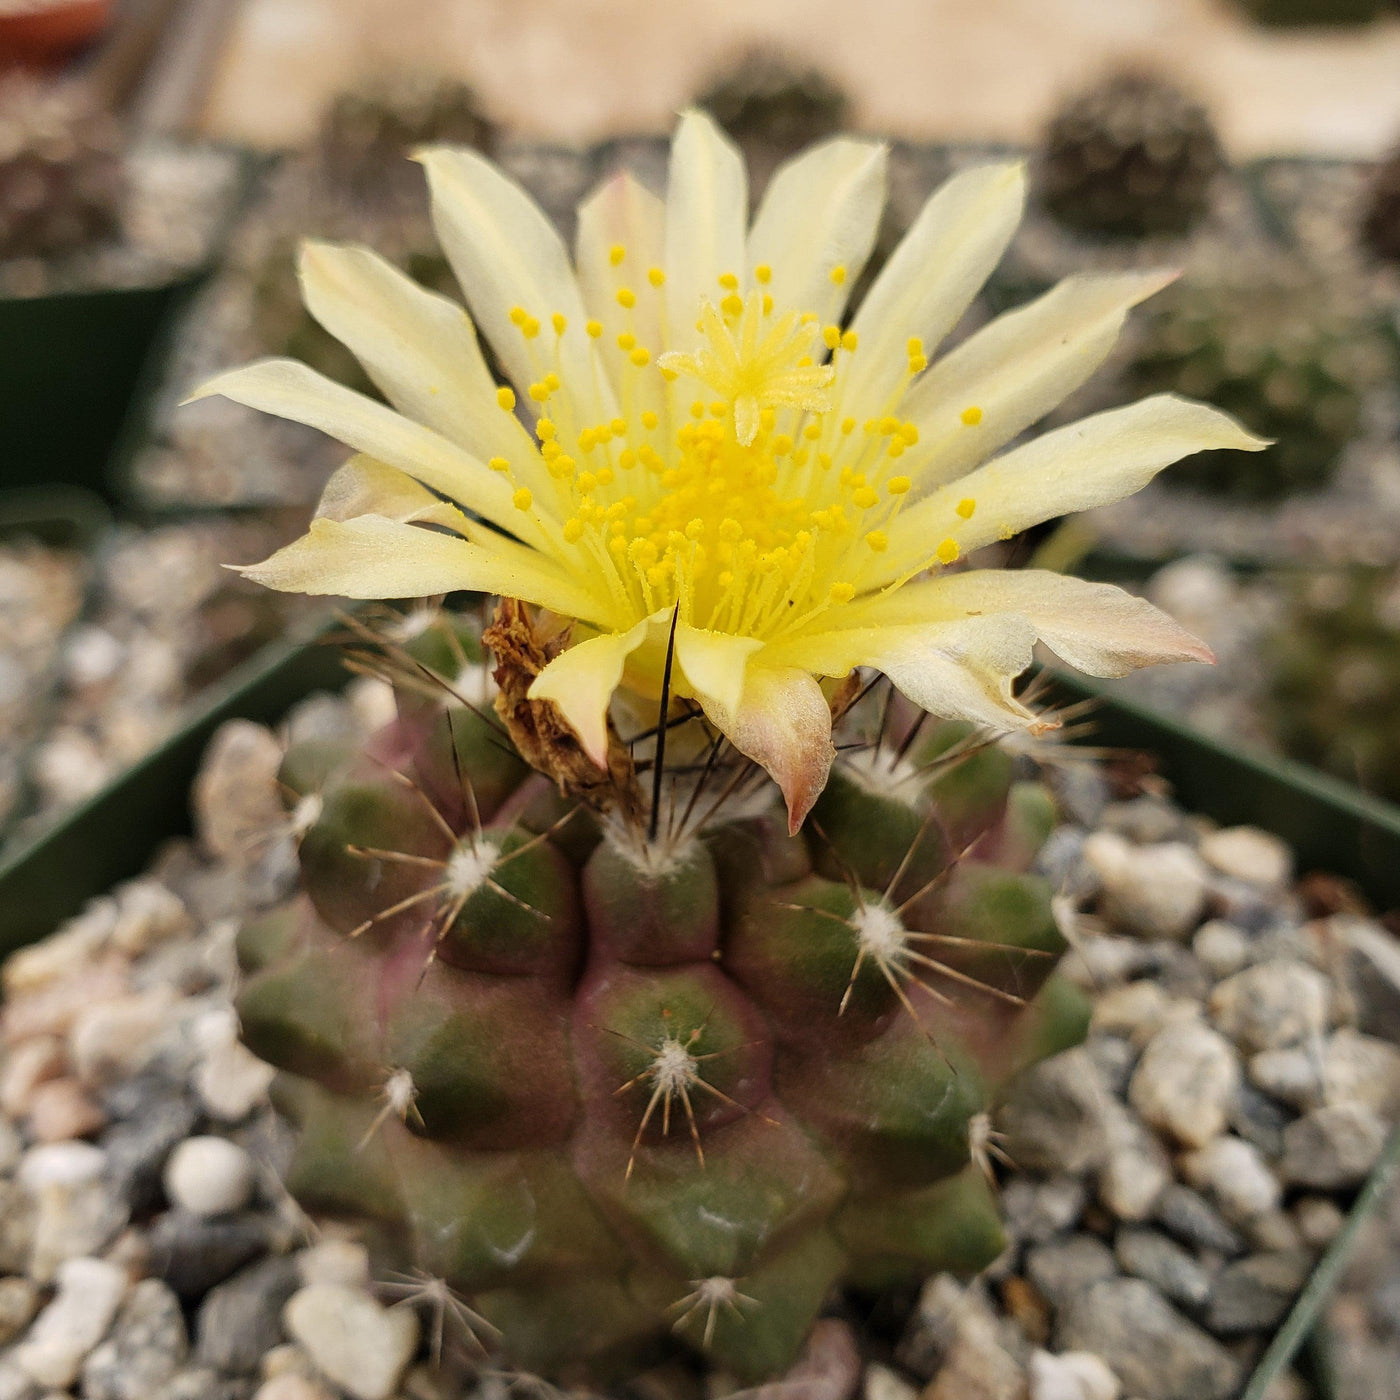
<point x="701" y="457"/>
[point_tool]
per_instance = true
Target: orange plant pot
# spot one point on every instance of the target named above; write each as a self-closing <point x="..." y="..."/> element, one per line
<point x="49" y="32"/>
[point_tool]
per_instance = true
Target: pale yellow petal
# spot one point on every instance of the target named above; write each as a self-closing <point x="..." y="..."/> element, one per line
<point x="821" y="211"/>
<point x="289" y="389"/>
<point x="714" y="663"/>
<point x="931" y="279"/>
<point x="1094" y="627"/>
<point x="960" y="669"/>
<point x="507" y="254"/>
<point x="581" y="681"/>
<point x="418" y="347"/>
<point x="706" y="213"/>
<point x="374" y="557"/>
<point x="623" y="213"/>
<point x="1089" y="463"/>
<point x="366" y="487"/>
<point x="1011" y="373"/>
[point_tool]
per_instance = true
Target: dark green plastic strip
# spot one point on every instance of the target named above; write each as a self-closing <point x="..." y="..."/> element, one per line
<point x="112" y="835"/>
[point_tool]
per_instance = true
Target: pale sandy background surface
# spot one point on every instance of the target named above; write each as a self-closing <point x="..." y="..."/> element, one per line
<point x="576" y="70"/>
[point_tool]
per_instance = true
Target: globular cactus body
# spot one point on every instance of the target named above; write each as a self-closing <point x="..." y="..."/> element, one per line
<point x="1130" y="158"/>
<point x="606" y="1085"/>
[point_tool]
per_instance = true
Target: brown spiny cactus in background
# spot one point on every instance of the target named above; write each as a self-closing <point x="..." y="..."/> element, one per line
<point x="1130" y="157"/>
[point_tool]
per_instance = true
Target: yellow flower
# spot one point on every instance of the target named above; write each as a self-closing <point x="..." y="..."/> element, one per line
<point x="697" y="443"/>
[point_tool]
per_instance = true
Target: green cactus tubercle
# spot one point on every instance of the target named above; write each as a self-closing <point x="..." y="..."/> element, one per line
<point x="611" y="1088"/>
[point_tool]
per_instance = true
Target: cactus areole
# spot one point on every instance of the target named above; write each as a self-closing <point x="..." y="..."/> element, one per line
<point x="655" y="971"/>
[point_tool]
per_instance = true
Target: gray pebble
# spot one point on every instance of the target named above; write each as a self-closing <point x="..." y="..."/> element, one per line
<point x="1185" y="1081"/>
<point x="1221" y="948"/>
<point x="193" y="1253"/>
<point x="201" y="1383"/>
<point x="1254" y="1294"/>
<point x="1279" y="1002"/>
<point x="1361" y="1069"/>
<point x="1258" y="1119"/>
<point x="146" y="1347"/>
<point x="241" y="1319"/>
<point x="138" y="1147"/>
<point x="1035" y="1210"/>
<point x="1191" y="1218"/>
<point x="1114" y="1058"/>
<point x="1156" y="891"/>
<point x="1060" y="1268"/>
<point x="1292" y="1075"/>
<point x="1150" y="1347"/>
<point x="1332" y="1147"/>
<point x="1373" y="974"/>
<point x="1054" y="1118"/>
<point x="1166" y="1265"/>
<point x="19" y="1301"/>
<point x="1144" y="819"/>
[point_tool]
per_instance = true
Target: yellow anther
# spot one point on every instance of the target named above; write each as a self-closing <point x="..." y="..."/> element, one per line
<point x="719" y="409"/>
<point x="655" y="276"/>
<point x="552" y="382"/>
<point x="838" y="273"/>
<point x="812" y="431"/>
<point x="530" y="329"/>
<point x="562" y="465"/>
<point x="649" y="420"/>
<point x="948" y="551"/>
<point x="560" y="322"/>
<point x="966" y="506"/>
<point x="895" y="449"/>
<point x="918" y="364"/>
<point x="841" y="592"/>
<point x="505" y="397"/>
<point x="730" y="531"/>
<point x="972" y="416"/>
<point x="849" y="341"/>
<point x="640" y="356"/>
<point x="732" y="305"/>
<point x="729" y="281"/>
<point x="808" y="318"/>
<point x="544" y="429"/>
<point x="782" y="445"/>
<point x="669" y="375"/>
<point x="865" y="497"/>
<point x="848" y="426"/>
<point x="523" y="500"/>
<point x="878" y="540"/>
<point x="697" y="409"/>
<point x="619" y="427"/>
<point x="499" y="464"/>
<point x="605" y="476"/>
<point x="832" y="337"/>
<point x="767" y="304"/>
<point x="616" y="254"/>
<point x="538" y="392"/>
<point x="587" y="483"/>
<point x="594" y="328"/>
<point x="763" y="274"/>
<point x="910" y="433"/>
<point x="627" y="459"/>
<point x="898" y="485"/>
<point x="915" y="346"/>
<point x="695" y="529"/>
<point x="518" y="315"/>
<point x="626" y="297"/>
<point x="573" y="530"/>
<point x="626" y="340"/>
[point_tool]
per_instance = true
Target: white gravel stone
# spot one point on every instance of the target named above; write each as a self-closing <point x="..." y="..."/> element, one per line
<point x="1153" y="891"/>
<point x="291" y="1387"/>
<point x="117" y="1039"/>
<point x="1073" y="1375"/>
<point x="881" y="1383"/>
<point x="209" y="1176"/>
<point x="232" y="1082"/>
<point x="355" y="1342"/>
<point x="1361" y="1069"/>
<point x="89" y="1293"/>
<point x="1220" y="947"/>
<point x="1235" y="1173"/>
<point x="1249" y="854"/>
<point x="1136" y="1170"/>
<point x="61" y="1164"/>
<point x="1185" y="1082"/>
<point x="334" y="1260"/>
<point x="147" y="914"/>
<point x="1292" y="1075"/>
<point x="31" y="1063"/>
<point x="1279" y="1002"/>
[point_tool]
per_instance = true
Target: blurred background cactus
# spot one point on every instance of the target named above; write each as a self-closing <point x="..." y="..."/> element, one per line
<point x="1380" y="222"/>
<point x="605" y="1082"/>
<point x="1290" y="352"/>
<point x="1129" y="157"/>
<point x="62" y="177"/>
<point x="1313" y="12"/>
<point x="1334" y="667"/>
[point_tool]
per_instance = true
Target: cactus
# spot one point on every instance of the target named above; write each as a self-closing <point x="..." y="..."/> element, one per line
<point x="1313" y="12"/>
<point x="1380" y="224"/>
<point x="61" y="171"/>
<point x="601" y="1066"/>
<point x="1290" y="352"/>
<point x="773" y="107"/>
<point x="1334" y="676"/>
<point x="1130" y="157"/>
<point x="362" y="181"/>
